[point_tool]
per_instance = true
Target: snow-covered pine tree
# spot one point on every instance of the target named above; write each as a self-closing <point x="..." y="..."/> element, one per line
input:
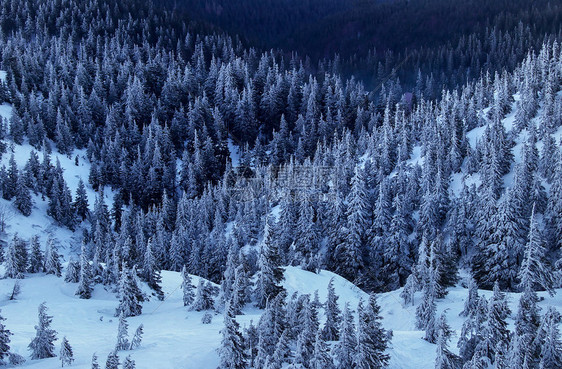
<point x="426" y="311"/>
<point x="52" y="258"/>
<point x="527" y="322"/>
<point x="187" y="287"/>
<point x="204" y="296"/>
<point x="11" y="263"/>
<point x="471" y="302"/>
<point x="137" y="337"/>
<point x="130" y="295"/>
<point x="122" y="334"/>
<point x="95" y="364"/>
<point x="80" y="204"/>
<point x="372" y="338"/>
<point x="72" y="272"/>
<point x="498" y="311"/>
<point x="84" y="290"/>
<point x="344" y="349"/>
<point x="112" y="361"/>
<point x="535" y="271"/>
<point x="349" y="254"/>
<point x="321" y="357"/>
<point x="4" y="339"/>
<point x="331" y="329"/>
<point x="66" y="355"/>
<point x="16" y="290"/>
<point x="150" y="271"/>
<point x="270" y="273"/>
<point x="36" y="259"/>
<point x="410" y="289"/>
<point x="129" y="363"/>
<point x="472" y="330"/>
<point x="231" y="352"/>
<point x="23" y="201"/>
<point x="551" y="346"/>
<point x="42" y="345"/>
<point x="445" y="359"/>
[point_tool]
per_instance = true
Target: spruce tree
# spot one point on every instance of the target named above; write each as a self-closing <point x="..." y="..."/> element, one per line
<point x="130" y="295"/>
<point x="372" y="338"/>
<point x="66" y="355"/>
<point x="321" y="357"/>
<point x="84" y="290"/>
<point x="535" y="270"/>
<point x="95" y="364"/>
<point x="204" y="296"/>
<point x="137" y="337"/>
<point x="330" y="332"/>
<point x="129" y="363"/>
<point x="112" y="361"/>
<point x="270" y="273"/>
<point x="11" y="263"/>
<point x="72" y="273"/>
<point x="23" y="201"/>
<point x="122" y="335"/>
<point x="231" y="352"/>
<point x="80" y="204"/>
<point x="150" y="271"/>
<point x="42" y="345"/>
<point x="344" y="349"/>
<point x="187" y="287"/>
<point x="444" y="358"/>
<point x="551" y="347"/>
<point x="52" y="259"/>
<point x="36" y="260"/>
<point x="4" y="339"/>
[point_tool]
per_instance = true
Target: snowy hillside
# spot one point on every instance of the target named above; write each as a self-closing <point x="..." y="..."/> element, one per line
<point x="175" y="337"/>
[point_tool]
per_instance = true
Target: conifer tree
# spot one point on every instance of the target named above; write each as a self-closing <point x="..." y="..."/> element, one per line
<point x="330" y="332"/>
<point x="270" y="273"/>
<point x="52" y="258"/>
<point x="11" y="264"/>
<point x="66" y="355"/>
<point x="321" y="357"/>
<point x="425" y="312"/>
<point x="42" y="345"/>
<point x="150" y="272"/>
<point x="372" y="338"/>
<point x="84" y="290"/>
<point x="23" y="201"/>
<point x="4" y="339"/>
<point x="444" y="359"/>
<point x="112" y="361"/>
<point x="551" y="347"/>
<point x="345" y="348"/>
<point x="187" y="287"/>
<point x="36" y="260"/>
<point x="231" y="352"/>
<point x="95" y="364"/>
<point x="80" y="204"/>
<point x="471" y="302"/>
<point x="535" y="270"/>
<point x="129" y="363"/>
<point x="72" y="273"/>
<point x="130" y="295"/>
<point x="137" y="337"/>
<point x="350" y="253"/>
<point x="122" y="334"/>
<point x="204" y="296"/>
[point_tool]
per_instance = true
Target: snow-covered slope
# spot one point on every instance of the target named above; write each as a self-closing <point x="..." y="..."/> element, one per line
<point x="175" y="337"/>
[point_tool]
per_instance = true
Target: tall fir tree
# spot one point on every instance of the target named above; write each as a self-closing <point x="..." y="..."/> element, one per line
<point x="42" y="345"/>
<point x="66" y="355"/>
